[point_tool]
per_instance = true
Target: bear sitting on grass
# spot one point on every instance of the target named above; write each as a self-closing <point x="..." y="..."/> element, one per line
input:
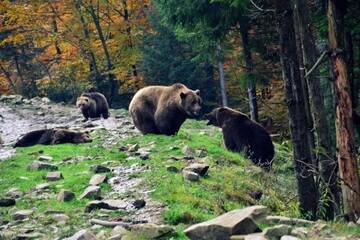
<point x="93" y="105"/>
<point x="243" y="135"/>
<point x="162" y="110"/>
<point x="52" y="136"/>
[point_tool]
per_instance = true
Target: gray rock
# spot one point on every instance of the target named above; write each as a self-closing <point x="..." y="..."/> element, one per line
<point x="54" y="176"/>
<point x="351" y="224"/>
<point x="105" y="204"/>
<point x="287" y="220"/>
<point x="118" y="232"/>
<point x="188" y="152"/>
<point x="253" y="236"/>
<point x="60" y="217"/>
<point x="14" y="193"/>
<point x="190" y="176"/>
<point x="83" y="234"/>
<point x="236" y="222"/>
<point x="151" y="231"/>
<point x="36" y="165"/>
<point x="198" y="168"/>
<point x="201" y="153"/>
<point x="143" y="154"/>
<point x="139" y="203"/>
<point x="289" y="237"/>
<point x="45" y="158"/>
<point x="277" y="231"/>
<point x="97" y="179"/>
<point x="34" y="235"/>
<point x="42" y="186"/>
<point x="99" y="169"/>
<point x="22" y="214"/>
<point x="7" y="202"/>
<point x="91" y="192"/>
<point x="172" y="169"/>
<point x="65" y="195"/>
<point x="300" y="232"/>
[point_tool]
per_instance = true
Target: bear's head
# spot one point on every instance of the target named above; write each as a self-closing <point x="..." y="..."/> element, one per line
<point x="83" y="102"/>
<point x="220" y="115"/>
<point x="70" y="136"/>
<point x="190" y="102"/>
<point x="82" y="137"/>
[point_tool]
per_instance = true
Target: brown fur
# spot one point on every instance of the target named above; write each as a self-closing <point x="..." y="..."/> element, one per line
<point x="162" y="109"/>
<point x="52" y="136"/>
<point x="243" y="135"/>
<point x="93" y="105"/>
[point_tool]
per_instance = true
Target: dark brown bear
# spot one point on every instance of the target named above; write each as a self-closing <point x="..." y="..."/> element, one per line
<point x="162" y="110"/>
<point x="52" y="136"/>
<point x="243" y="135"/>
<point x="93" y="105"/>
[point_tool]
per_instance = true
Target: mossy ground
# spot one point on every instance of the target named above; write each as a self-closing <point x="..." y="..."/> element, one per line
<point x="228" y="185"/>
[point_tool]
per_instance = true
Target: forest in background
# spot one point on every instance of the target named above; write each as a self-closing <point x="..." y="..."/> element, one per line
<point x="272" y="59"/>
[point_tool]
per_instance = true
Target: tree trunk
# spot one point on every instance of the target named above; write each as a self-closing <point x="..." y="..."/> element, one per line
<point x="55" y="29"/>
<point x="249" y="69"/>
<point x="308" y="194"/>
<point x="325" y="155"/>
<point x="345" y="141"/>
<point x="220" y="63"/>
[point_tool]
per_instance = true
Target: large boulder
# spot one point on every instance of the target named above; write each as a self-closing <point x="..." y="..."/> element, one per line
<point x="83" y="234"/>
<point x="151" y="231"/>
<point x="236" y="222"/>
<point x="37" y="165"/>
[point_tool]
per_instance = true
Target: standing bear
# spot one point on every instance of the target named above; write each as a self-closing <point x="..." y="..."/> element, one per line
<point x="93" y="105"/>
<point x="162" y="109"/>
<point x="243" y="135"/>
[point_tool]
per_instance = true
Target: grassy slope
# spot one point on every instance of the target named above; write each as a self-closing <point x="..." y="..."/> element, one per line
<point x="227" y="186"/>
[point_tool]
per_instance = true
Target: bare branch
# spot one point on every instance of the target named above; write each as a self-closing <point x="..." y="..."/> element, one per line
<point x="317" y="63"/>
<point x="261" y="9"/>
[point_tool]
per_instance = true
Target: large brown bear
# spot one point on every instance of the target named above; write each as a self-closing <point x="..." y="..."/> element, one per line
<point x="52" y="136"/>
<point x="162" y="110"/>
<point x="93" y="105"/>
<point x="243" y="135"/>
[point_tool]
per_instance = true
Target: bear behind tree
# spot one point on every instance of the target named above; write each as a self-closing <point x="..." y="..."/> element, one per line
<point x="162" y="109"/>
<point x="93" y="105"/>
<point x="243" y="135"/>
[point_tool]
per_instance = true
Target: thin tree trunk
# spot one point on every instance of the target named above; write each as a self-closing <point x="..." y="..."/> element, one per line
<point x="325" y="155"/>
<point x="8" y="77"/>
<point x="221" y="76"/>
<point x="249" y="69"/>
<point x="55" y="29"/>
<point x="346" y="150"/>
<point x="308" y="194"/>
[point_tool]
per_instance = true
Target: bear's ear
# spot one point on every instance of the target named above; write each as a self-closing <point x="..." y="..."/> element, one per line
<point x="183" y="95"/>
<point x="197" y="91"/>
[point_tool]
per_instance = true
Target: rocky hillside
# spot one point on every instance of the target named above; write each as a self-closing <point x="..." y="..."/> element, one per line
<point x="127" y="186"/>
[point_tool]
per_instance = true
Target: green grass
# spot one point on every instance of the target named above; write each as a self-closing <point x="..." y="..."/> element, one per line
<point x="227" y="186"/>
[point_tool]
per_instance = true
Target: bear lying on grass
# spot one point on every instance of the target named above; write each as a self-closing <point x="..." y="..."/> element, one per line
<point x="52" y="136"/>
<point x="93" y="105"/>
<point x="162" y="110"/>
<point x="243" y="135"/>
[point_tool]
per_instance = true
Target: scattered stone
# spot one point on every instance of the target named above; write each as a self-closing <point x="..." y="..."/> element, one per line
<point x="23" y="178"/>
<point x="190" y="176"/>
<point x="139" y="203"/>
<point x="65" y="195"/>
<point x="54" y="176"/>
<point x="22" y="214"/>
<point x="352" y="224"/>
<point x="119" y="231"/>
<point x="152" y="231"/>
<point x="288" y="237"/>
<point x="200" y="153"/>
<point x="83" y="234"/>
<point x="198" y="168"/>
<point x="34" y="235"/>
<point x="45" y="100"/>
<point x="287" y="220"/>
<point x="106" y="223"/>
<point x="36" y="165"/>
<point x="253" y="236"/>
<point x="14" y="193"/>
<point x="99" y="169"/>
<point x="300" y="232"/>
<point x="172" y="169"/>
<point x="98" y="179"/>
<point x="91" y="192"/>
<point x="42" y="186"/>
<point x="277" y="231"/>
<point x="105" y="204"/>
<point x="60" y="217"/>
<point x="45" y="158"/>
<point x="189" y="152"/>
<point x="7" y="202"/>
<point x="133" y="147"/>
<point x="236" y="222"/>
